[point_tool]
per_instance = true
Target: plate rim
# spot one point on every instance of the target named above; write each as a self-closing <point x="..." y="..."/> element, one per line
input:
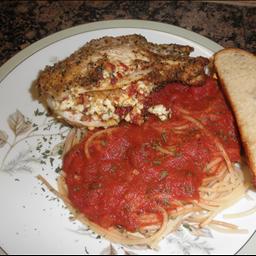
<point x="2" y="251"/>
<point x="22" y="55"/>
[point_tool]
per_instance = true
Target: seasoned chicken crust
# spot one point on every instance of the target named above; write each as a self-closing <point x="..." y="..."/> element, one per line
<point x="111" y="73"/>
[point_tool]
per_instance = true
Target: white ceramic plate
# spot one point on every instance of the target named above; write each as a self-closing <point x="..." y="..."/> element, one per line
<point x="32" y="220"/>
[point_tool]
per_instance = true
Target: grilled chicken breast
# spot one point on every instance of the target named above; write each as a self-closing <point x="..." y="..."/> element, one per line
<point x="108" y="79"/>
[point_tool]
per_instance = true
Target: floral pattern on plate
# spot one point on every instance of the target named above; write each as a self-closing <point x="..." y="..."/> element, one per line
<point x="23" y="129"/>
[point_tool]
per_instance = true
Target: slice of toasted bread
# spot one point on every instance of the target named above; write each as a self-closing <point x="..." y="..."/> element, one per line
<point x="236" y="70"/>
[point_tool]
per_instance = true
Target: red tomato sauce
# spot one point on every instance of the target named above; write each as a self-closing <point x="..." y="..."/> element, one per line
<point x="127" y="176"/>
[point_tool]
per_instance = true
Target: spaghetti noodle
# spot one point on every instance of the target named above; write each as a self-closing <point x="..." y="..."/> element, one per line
<point x="135" y="185"/>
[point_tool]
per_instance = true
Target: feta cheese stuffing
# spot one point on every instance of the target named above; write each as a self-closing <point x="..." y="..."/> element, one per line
<point x="144" y="89"/>
<point x="160" y="111"/>
<point x="102" y="108"/>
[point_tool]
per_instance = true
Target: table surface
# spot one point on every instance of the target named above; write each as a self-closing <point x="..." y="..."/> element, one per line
<point x="25" y="22"/>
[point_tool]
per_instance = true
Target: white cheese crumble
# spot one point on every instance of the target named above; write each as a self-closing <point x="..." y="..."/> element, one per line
<point x="143" y="88"/>
<point x="67" y="103"/>
<point x="138" y="108"/>
<point x="128" y="118"/>
<point x="135" y="111"/>
<point x="78" y="108"/>
<point x="103" y="109"/>
<point x="160" y="111"/>
<point x="126" y="101"/>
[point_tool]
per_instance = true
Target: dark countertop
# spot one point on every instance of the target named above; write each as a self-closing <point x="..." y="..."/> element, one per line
<point x="25" y="22"/>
